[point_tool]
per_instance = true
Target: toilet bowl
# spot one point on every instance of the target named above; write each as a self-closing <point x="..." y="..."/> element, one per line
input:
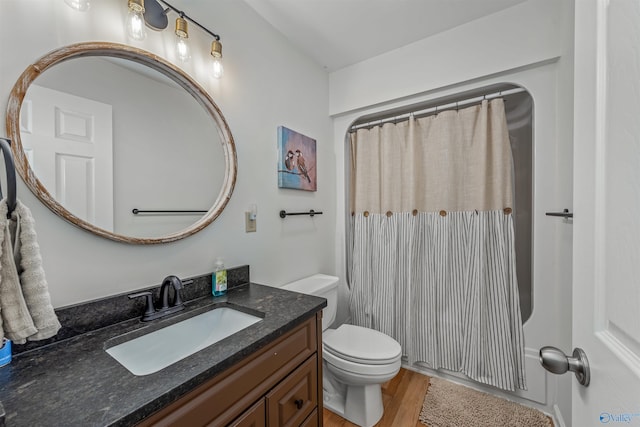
<point x="356" y="360"/>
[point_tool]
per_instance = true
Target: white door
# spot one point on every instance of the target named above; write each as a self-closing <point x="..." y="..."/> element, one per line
<point x="606" y="266"/>
<point x="68" y="141"/>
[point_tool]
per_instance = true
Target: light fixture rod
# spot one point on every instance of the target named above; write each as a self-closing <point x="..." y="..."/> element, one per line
<point x="185" y="16"/>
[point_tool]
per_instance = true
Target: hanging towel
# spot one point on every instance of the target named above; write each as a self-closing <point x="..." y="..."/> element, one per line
<point x="28" y="261"/>
<point x="17" y="324"/>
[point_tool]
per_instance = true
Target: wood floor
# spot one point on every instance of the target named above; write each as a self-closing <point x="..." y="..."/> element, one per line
<point x="402" y="398"/>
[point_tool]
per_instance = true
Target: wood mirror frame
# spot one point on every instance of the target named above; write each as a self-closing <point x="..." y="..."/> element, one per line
<point x="155" y="62"/>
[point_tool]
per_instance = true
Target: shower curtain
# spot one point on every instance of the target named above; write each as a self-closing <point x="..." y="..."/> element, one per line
<point x="432" y="260"/>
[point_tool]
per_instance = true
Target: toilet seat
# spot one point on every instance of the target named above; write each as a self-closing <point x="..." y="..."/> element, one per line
<point x="361" y="345"/>
<point x="371" y="372"/>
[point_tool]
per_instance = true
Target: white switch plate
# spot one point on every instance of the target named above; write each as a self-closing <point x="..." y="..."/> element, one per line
<point x="249" y="226"/>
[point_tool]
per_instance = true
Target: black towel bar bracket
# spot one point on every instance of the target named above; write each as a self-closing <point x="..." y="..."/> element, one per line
<point x="311" y="213"/>
<point x="565" y="213"/>
<point x="11" y="175"/>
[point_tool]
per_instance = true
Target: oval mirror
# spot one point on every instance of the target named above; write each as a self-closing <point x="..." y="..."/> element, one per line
<point x="122" y="143"/>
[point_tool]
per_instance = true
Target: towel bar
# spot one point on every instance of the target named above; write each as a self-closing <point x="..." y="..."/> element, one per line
<point x="311" y="213"/>
<point x="137" y="211"/>
<point x="565" y="213"/>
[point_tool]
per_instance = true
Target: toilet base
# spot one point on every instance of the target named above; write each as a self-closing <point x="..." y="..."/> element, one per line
<point x="362" y="405"/>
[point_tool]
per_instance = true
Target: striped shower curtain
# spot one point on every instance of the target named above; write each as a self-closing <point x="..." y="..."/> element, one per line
<point x="432" y="260"/>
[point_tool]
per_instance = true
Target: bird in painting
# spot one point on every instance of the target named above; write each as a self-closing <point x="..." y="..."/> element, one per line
<point x="289" y="160"/>
<point x="301" y="165"/>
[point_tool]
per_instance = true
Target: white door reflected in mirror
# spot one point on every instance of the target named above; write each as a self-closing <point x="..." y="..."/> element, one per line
<point x="70" y="142"/>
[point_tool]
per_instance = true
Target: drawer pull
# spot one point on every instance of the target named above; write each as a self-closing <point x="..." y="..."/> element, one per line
<point x="299" y="403"/>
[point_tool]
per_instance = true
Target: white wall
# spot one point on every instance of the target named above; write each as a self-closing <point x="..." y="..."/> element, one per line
<point x="530" y="45"/>
<point x="520" y="35"/>
<point x="267" y="83"/>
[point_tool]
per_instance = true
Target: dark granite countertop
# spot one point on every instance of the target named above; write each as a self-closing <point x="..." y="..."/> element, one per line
<point x="74" y="382"/>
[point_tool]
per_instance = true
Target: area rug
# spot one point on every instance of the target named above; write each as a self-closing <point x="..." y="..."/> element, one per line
<point x="451" y="405"/>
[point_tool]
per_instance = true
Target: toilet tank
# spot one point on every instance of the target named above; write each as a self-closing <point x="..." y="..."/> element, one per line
<point x="320" y="285"/>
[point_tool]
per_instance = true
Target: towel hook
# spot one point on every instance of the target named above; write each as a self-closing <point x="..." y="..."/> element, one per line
<point x="11" y="175"/>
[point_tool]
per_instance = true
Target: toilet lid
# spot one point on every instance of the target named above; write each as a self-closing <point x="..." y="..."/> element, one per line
<point x="359" y="344"/>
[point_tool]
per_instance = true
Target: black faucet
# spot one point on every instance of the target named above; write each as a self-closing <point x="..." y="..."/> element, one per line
<point x="166" y="308"/>
<point x="164" y="293"/>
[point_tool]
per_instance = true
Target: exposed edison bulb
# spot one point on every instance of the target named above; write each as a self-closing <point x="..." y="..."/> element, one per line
<point x="135" y="26"/>
<point x="182" y="40"/>
<point x="135" y="20"/>
<point x="182" y="49"/>
<point x="218" y="69"/>
<point x="81" y="5"/>
<point x="216" y="52"/>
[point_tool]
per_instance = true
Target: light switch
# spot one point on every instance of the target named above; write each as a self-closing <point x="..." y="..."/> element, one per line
<point x="249" y="224"/>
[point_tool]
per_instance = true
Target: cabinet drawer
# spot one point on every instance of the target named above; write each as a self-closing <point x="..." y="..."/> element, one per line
<point x="291" y="401"/>
<point x="223" y="398"/>
<point x="252" y="417"/>
<point x="312" y="420"/>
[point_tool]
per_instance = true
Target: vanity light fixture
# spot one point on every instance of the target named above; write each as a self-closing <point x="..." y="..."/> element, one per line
<point x="154" y="14"/>
<point x="135" y="20"/>
<point x="182" y="39"/>
<point x="81" y="5"/>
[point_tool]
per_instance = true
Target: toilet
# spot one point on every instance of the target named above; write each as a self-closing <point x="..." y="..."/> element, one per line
<point x="356" y="360"/>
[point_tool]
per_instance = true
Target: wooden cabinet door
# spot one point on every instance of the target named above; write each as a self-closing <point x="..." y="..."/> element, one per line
<point x="312" y="420"/>
<point x="253" y="417"/>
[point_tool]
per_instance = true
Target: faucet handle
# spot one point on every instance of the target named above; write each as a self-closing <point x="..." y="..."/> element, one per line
<point x="149" y="310"/>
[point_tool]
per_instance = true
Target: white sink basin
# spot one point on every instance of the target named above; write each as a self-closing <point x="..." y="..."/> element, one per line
<point x="157" y="350"/>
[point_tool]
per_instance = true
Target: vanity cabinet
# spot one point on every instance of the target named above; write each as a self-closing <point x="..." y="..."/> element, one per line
<point x="278" y="385"/>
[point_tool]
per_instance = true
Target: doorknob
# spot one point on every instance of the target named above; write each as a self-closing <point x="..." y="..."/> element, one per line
<point x="555" y="361"/>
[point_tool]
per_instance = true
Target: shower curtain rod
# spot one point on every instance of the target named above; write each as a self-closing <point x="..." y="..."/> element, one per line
<point x="436" y="109"/>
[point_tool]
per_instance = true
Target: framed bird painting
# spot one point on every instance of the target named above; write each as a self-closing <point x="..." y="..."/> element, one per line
<point x="297" y="160"/>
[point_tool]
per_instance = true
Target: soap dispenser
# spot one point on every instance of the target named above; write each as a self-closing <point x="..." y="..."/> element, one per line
<point x="219" y="279"/>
